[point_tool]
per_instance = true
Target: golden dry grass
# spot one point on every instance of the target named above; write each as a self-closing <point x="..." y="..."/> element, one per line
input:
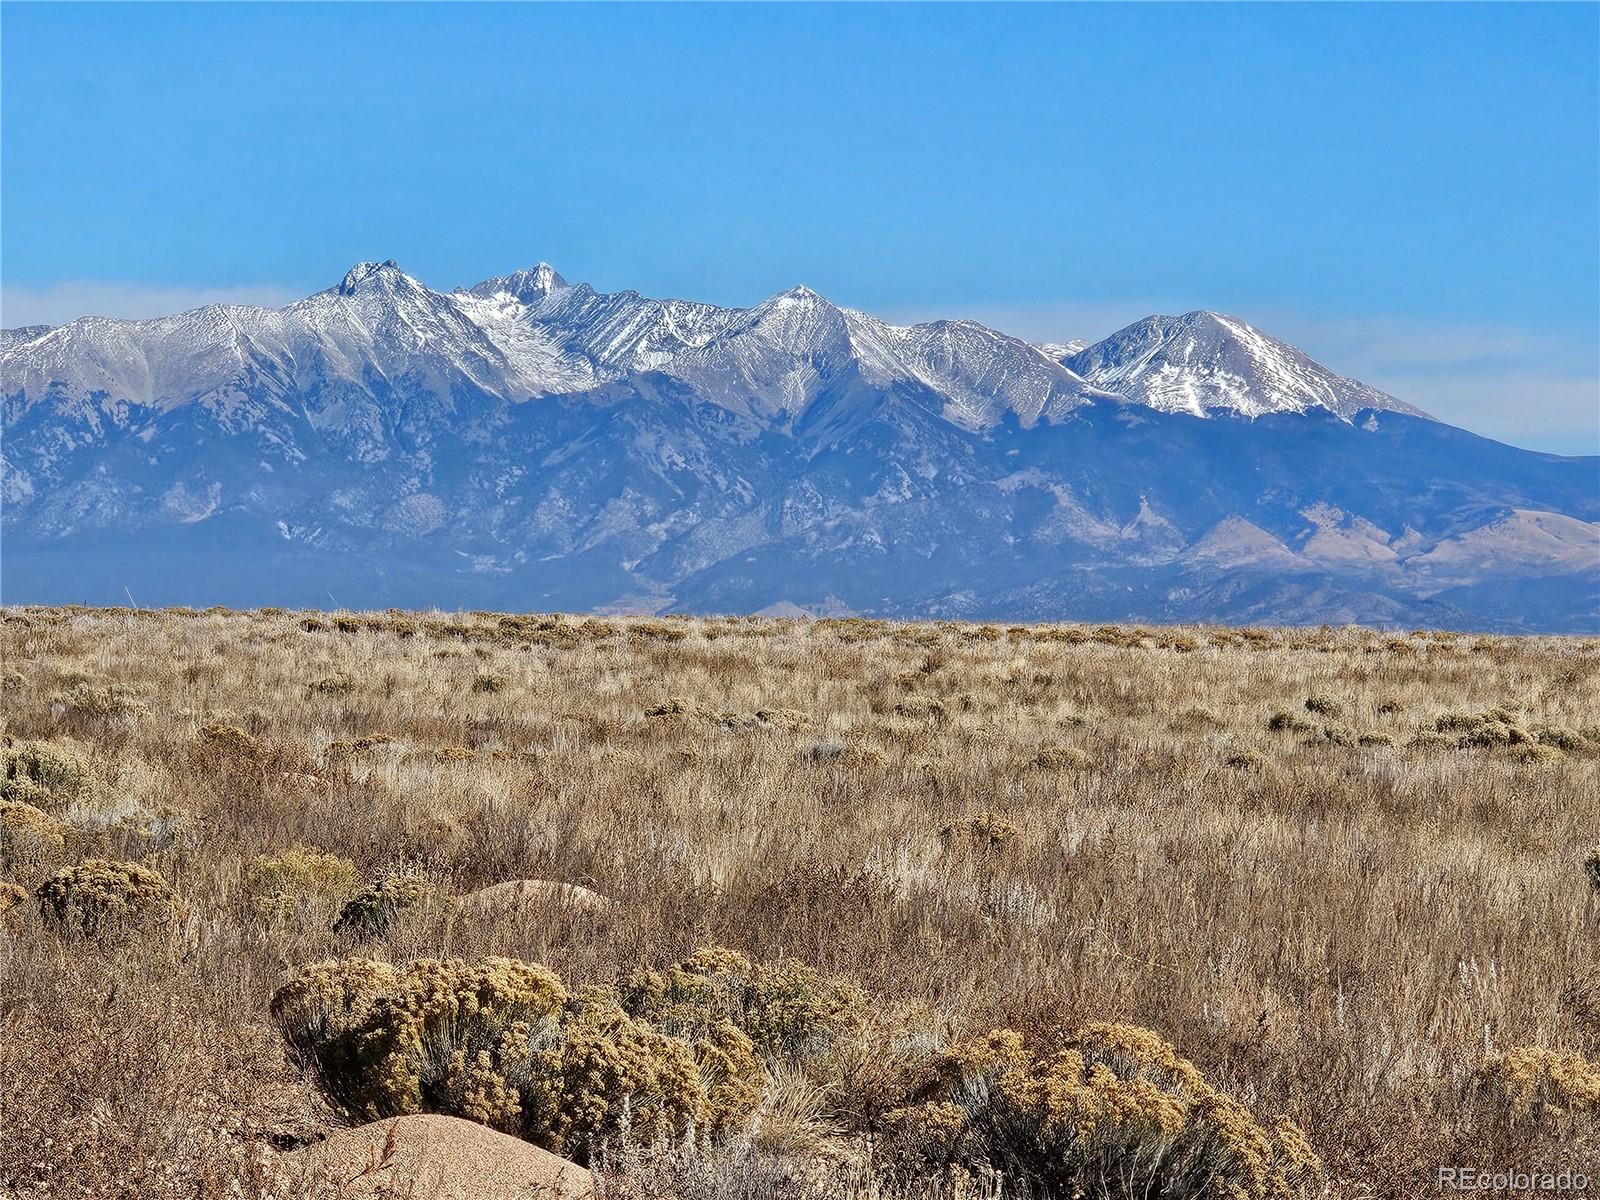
<point x="1029" y="827"/>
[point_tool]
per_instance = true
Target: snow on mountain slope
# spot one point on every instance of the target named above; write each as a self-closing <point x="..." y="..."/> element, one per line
<point x="531" y="333"/>
<point x="986" y="373"/>
<point x="1061" y="351"/>
<point x="376" y="329"/>
<point x="1205" y="360"/>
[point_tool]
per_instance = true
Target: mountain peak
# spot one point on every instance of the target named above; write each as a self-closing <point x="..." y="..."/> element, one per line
<point x="388" y="272"/>
<point x="1206" y="360"/>
<point x="800" y="292"/>
<point x="528" y="285"/>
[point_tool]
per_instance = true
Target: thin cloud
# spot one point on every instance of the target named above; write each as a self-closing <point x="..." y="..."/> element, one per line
<point x="59" y="303"/>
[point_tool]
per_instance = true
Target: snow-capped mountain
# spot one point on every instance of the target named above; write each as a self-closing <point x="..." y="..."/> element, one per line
<point x="1203" y="360"/>
<point x="528" y="442"/>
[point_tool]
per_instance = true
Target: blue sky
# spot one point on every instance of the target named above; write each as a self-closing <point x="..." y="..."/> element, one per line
<point x="1409" y="192"/>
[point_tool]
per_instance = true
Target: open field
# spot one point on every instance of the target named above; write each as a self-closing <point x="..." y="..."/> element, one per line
<point x="1318" y="863"/>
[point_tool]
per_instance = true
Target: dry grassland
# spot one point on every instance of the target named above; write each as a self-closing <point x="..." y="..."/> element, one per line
<point x="1349" y="919"/>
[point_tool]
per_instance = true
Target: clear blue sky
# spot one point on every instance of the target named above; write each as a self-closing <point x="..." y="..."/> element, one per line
<point x="1410" y="192"/>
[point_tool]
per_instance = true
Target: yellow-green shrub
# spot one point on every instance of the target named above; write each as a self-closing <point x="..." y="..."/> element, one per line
<point x="99" y="896"/>
<point x="1115" y="1102"/>
<point x="1531" y="1083"/>
<point x="12" y="898"/>
<point x="29" y="838"/>
<point x="501" y="1042"/>
<point x="53" y="776"/>
<point x="604" y="1067"/>
<point x="786" y="1009"/>
<point x="300" y="878"/>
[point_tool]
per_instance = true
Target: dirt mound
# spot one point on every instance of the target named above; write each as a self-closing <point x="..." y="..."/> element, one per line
<point x="429" y="1157"/>
<point x="520" y="895"/>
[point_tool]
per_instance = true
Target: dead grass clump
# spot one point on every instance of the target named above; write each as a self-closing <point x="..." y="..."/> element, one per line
<point x="352" y="749"/>
<point x="1246" y="760"/>
<point x="658" y="631"/>
<point x="922" y="708"/>
<point x="1570" y="741"/>
<point x="331" y="685"/>
<point x="859" y="756"/>
<point x="1430" y="739"/>
<point x="1062" y="758"/>
<point x="232" y="743"/>
<point x="101" y="898"/>
<point x="1334" y="735"/>
<point x="985" y="829"/>
<point x="676" y="706"/>
<point x="1287" y="722"/>
<point x="790" y="720"/>
<point x="12" y="898"/>
<point x="1324" y="706"/>
<point x="490" y="682"/>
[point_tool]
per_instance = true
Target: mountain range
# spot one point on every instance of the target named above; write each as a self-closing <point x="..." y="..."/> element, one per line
<point x="531" y="444"/>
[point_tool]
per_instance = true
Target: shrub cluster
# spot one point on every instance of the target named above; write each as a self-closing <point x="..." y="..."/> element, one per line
<point x="1114" y="1106"/>
<point x="53" y="776"/>
<point x="104" y="703"/>
<point x="371" y="911"/>
<point x="283" y="886"/>
<point x="503" y="1042"/>
<point x="99" y="897"/>
<point x="1497" y="728"/>
<point x="787" y="719"/>
<point x="29" y="838"/>
<point x="788" y="1010"/>
<point x="1532" y="1083"/>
